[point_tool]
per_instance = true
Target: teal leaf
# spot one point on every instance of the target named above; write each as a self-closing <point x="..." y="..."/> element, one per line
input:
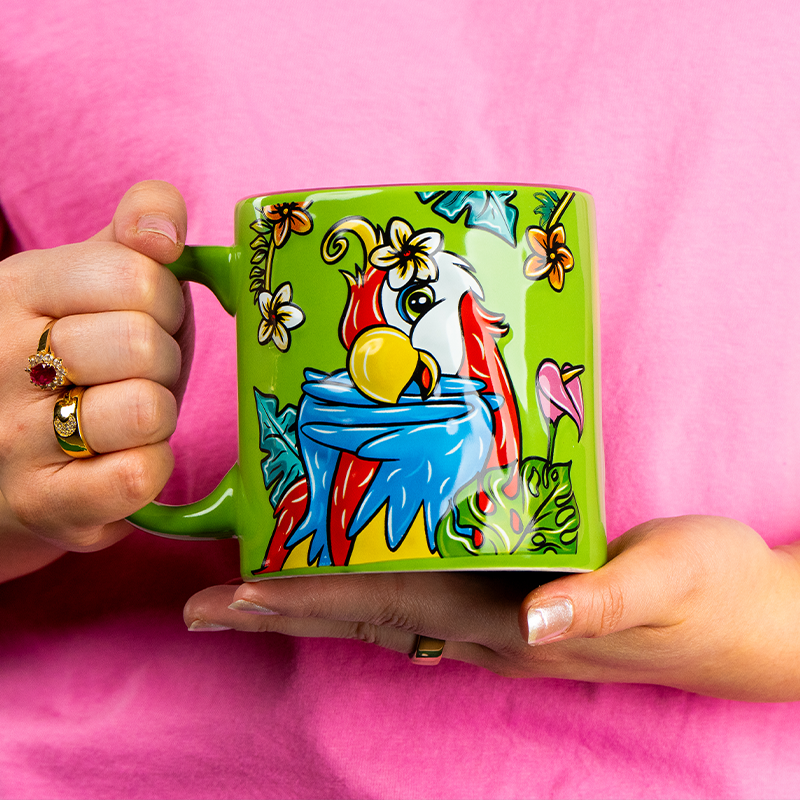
<point x="541" y="516"/>
<point x="282" y="466"/>
<point x="489" y="210"/>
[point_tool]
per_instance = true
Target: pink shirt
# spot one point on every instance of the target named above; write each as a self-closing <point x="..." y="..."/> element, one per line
<point x="681" y="118"/>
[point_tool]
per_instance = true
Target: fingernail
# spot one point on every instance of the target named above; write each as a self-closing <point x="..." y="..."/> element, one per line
<point x="153" y="223"/>
<point x="251" y="607"/>
<point x="549" y="619"/>
<point x="202" y="625"/>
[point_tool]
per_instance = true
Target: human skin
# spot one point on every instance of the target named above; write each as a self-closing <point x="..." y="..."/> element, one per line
<point x="124" y="329"/>
<point x="697" y="603"/>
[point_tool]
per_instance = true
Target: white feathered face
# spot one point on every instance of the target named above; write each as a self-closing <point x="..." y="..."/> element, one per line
<point x="427" y="311"/>
<point x="420" y="338"/>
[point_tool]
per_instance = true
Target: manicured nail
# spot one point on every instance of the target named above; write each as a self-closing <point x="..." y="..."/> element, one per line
<point x="202" y="625"/>
<point x="549" y="619"/>
<point x="251" y="608"/>
<point x="153" y="223"/>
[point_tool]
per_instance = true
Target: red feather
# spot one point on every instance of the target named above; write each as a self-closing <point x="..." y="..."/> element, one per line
<point x="352" y="479"/>
<point x="289" y="512"/>
<point x="482" y="360"/>
<point x="353" y="474"/>
<point x="363" y="309"/>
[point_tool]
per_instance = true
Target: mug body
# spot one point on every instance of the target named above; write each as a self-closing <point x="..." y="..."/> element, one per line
<point x="418" y="380"/>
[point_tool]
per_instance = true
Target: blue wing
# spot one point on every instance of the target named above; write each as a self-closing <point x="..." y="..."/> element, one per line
<point x="428" y="449"/>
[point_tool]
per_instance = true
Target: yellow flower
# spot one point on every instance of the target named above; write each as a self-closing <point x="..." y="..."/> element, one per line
<point x="280" y="315"/>
<point x="550" y="257"/>
<point x="408" y="255"/>
<point x="287" y="218"/>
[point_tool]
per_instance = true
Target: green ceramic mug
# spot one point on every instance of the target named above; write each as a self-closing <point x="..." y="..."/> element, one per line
<point x="418" y="376"/>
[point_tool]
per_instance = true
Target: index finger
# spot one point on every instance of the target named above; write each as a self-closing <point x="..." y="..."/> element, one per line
<point x="97" y="276"/>
<point x="456" y="607"/>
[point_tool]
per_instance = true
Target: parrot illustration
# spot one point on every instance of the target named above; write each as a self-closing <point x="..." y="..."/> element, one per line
<point x="425" y="402"/>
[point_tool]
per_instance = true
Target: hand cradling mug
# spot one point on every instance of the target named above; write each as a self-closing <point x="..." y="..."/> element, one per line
<point x="418" y="377"/>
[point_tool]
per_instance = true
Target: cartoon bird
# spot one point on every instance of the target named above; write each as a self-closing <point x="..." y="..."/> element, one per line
<point x="424" y="405"/>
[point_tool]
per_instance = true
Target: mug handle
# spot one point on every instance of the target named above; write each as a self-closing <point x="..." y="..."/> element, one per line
<point x="213" y="517"/>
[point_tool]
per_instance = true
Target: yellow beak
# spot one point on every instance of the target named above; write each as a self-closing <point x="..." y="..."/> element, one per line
<point x="382" y="362"/>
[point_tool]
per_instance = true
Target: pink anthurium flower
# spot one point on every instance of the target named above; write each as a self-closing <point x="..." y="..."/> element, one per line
<point x="559" y="392"/>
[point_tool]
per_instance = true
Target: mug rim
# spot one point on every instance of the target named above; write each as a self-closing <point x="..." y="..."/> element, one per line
<point x="420" y="185"/>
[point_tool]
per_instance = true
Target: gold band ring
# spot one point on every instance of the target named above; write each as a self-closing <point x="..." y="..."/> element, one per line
<point x="67" y="424"/>
<point x="427" y="651"/>
<point x="45" y="370"/>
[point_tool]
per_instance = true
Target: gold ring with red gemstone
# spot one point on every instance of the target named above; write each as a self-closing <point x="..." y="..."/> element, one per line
<point x="45" y="370"/>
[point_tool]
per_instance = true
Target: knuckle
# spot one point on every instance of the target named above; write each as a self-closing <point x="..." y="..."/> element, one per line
<point x="135" y="480"/>
<point x="86" y="540"/>
<point x="391" y="608"/>
<point x="365" y="632"/>
<point x="147" y="414"/>
<point x="138" y="280"/>
<point x="141" y="340"/>
<point x="609" y="608"/>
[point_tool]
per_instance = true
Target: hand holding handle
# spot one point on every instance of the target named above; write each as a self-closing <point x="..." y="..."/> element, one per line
<point x="213" y="517"/>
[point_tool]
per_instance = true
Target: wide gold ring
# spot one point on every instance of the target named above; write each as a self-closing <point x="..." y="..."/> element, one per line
<point x="67" y="424"/>
<point x="427" y="651"/>
<point x="45" y="370"/>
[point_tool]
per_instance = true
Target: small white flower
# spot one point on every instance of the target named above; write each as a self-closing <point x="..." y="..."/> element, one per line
<point x="408" y="255"/>
<point x="280" y="315"/>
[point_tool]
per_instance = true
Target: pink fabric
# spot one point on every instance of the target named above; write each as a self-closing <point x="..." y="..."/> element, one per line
<point x="681" y="118"/>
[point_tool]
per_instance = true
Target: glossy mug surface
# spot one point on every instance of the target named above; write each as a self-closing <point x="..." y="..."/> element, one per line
<point x="418" y="378"/>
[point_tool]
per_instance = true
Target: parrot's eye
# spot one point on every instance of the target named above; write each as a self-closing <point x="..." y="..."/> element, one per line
<point x="414" y="301"/>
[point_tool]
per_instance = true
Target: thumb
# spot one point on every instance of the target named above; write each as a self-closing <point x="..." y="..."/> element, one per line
<point x="151" y="219"/>
<point x="642" y="584"/>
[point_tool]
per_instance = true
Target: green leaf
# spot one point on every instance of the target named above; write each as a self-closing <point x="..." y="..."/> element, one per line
<point x="258" y="255"/>
<point x="261" y="240"/>
<point x="556" y="520"/>
<point x="548" y="201"/>
<point x="278" y="439"/>
<point x="541" y="514"/>
<point x="258" y="277"/>
<point x="261" y="225"/>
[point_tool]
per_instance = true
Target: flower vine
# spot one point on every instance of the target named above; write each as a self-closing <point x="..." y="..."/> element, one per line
<point x="274" y="224"/>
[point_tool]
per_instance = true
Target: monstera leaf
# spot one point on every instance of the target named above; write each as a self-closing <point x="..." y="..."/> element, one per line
<point x="278" y="439"/>
<point x="502" y="513"/>
<point x="491" y="211"/>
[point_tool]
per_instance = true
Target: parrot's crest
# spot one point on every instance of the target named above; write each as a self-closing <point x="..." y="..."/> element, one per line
<point x="363" y="309"/>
